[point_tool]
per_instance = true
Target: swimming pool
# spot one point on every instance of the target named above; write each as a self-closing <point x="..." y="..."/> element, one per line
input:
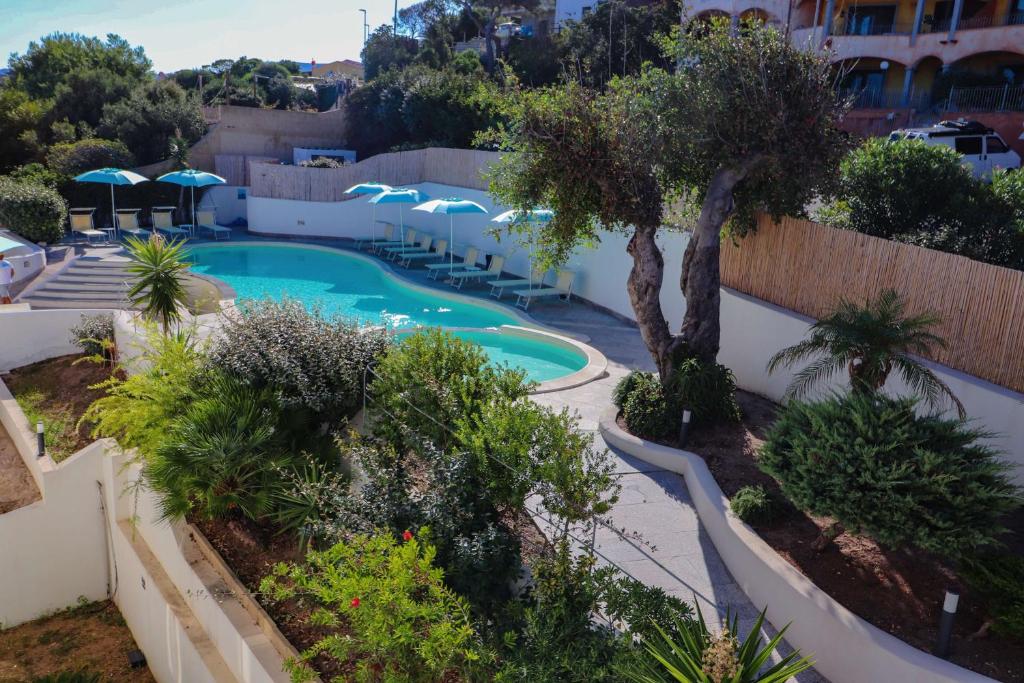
<point x="358" y="288"/>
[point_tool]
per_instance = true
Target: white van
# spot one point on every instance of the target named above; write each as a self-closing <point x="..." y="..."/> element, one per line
<point x="980" y="146"/>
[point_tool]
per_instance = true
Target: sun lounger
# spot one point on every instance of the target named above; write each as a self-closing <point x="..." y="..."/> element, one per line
<point x="372" y="240"/>
<point x="498" y="287"/>
<point x="562" y="289"/>
<point x="440" y="252"/>
<point x="207" y="220"/>
<point x="468" y="263"/>
<point x="458" y="279"/>
<point x="164" y="222"/>
<point x="82" y="223"/>
<point x="128" y="221"/>
<point x="410" y="239"/>
<point x="422" y="248"/>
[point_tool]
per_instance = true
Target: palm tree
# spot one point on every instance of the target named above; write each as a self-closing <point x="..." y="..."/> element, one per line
<point x="159" y="269"/>
<point x="870" y="341"/>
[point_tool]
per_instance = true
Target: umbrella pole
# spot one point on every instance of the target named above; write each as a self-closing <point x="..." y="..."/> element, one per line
<point x="451" y="244"/>
<point x="113" y="212"/>
<point x="192" y="232"/>
<point x="373" y="229"/>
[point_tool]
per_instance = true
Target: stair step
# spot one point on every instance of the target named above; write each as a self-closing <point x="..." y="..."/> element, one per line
<point x="77" y="295"/>
<point x="63" y="286"/>
<point x="92" y="279"/>
<point x="65" y="303"/>
<point x="98" y="263"/>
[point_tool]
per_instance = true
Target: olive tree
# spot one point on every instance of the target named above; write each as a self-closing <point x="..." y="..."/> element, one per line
<point x="745" y="122"/>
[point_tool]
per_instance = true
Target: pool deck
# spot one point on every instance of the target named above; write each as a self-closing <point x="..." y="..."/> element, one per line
<point x="675" y="552"/>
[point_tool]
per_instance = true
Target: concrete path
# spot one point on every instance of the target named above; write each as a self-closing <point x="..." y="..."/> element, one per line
<point x="671" y="550"/>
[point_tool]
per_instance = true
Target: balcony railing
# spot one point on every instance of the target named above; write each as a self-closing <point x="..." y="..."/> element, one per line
<point x="889" y="28"/>
<point x="942" y="26"/>
<point x="986" y="98"/>
<point x="879" y="99"/>
<point x="842" y="27"/>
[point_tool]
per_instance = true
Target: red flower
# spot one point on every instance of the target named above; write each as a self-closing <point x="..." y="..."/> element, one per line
<point x="406" y="535"/>
<point x="355" y="602"/>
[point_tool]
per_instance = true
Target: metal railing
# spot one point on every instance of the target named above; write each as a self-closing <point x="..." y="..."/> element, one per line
<point x="973" y="23"/>
<point x="880" y="99"/>
<point x="986" y="98"/>
<point x="888" y="28"/>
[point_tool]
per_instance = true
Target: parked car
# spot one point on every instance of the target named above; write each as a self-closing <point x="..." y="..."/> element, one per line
<point x="981" y="147"/>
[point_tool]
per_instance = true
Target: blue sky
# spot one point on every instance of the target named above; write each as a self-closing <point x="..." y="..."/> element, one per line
<point x="184" y="33"/>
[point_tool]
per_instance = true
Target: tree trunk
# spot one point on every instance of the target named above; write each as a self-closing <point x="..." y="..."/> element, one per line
<point x="489" y="44"/>
<point x="701" y="278"/>
<point x="644" y="287"/>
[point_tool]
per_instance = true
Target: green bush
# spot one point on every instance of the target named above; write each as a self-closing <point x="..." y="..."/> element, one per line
<point x="73" y="158"/>
<point x="755" y="505"/>
<point x="648" y="412"/>
<point x="385" y="609"/>
<point x="709" y="391"/>
<point x="999" y="581"/>
<point x="93" y="334"/>
<point x="878" y="468"/>
<point x="323" y="162"/>
<point x="625" y="386"/>
<point x="35" y="212"/>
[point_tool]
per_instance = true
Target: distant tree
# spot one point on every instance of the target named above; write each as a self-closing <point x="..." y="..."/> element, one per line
<point x="148" y="119"/>
<point x="20" y="116"/>
<point x="290" y="65"/>
<point x="537" y="60"/>
<point x="80" y="98"/>
<point x="384" y="51"/>
<point x="49" y="63"/>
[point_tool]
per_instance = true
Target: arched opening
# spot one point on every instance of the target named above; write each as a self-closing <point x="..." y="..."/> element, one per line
<point x="983" y="81"/>
<point x="757" y="14"/>
<point x="872" y="82"/>
<point x="922" y="93"/>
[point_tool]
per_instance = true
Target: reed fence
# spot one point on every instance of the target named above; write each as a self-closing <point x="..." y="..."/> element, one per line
<point x="460" y="167"/>
<point x="808" y="268"/>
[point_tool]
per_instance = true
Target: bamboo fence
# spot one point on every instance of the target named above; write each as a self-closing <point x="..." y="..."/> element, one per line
<point x="809" y="268"/>
<point x="459" y="167"/>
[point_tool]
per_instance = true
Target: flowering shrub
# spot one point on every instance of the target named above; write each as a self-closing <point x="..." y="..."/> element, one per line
<point x="313" y="362"/>
<point x="388" y="613"/>
<point x="93" y="334"/>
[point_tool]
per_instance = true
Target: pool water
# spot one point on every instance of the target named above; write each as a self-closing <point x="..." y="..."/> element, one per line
<point x="350" y="286"/>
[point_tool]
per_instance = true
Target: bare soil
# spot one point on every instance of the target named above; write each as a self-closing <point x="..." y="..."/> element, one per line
<point x="900" y="592"/>
<point x="92" y="637"/>
<point x="57" y="391"/>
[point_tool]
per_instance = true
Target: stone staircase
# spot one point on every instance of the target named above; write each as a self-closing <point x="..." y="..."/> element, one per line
<point x="86" y="283"/>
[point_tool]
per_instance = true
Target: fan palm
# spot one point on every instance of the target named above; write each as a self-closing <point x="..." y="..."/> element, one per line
<point x="159" y="287"/>
<point x="698" y="656"/>
<point x="870" y="342"/>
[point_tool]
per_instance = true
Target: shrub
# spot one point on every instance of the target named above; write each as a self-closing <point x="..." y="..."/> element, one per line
<point x="37" y="174"/>
<point x="878" y="468"/>
<point x="93" y="334"/>
<point x="386" y="610"/>
<point x="625" y="386"/>
<point x="323" y="162"/>
<point x="754" y="505"/>
<point x="35" y="212"/>
<point x="709" y="391"/>
<point x="313" y="362"/>
<point x="999" y="581"/>
<point x="648" y="412"/>
<point x="73" y="158"/>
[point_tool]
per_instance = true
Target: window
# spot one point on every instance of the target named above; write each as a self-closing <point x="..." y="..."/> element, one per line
<point x="993" y="145"/>
<point x="871" y="21"/>
<point x="969" y="145"/>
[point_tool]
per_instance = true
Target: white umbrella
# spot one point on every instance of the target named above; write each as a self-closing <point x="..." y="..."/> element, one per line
<point x="532" y="217"/>
<point x="450" y="206"/>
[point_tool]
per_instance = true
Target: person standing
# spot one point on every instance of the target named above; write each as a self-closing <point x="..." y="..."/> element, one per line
<point x="6" y="279"/>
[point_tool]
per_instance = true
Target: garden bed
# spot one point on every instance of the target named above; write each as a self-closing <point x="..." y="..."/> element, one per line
<point x="92" y="637"/>
<point x="899" y="592"/>
<point x="57" y="391"/>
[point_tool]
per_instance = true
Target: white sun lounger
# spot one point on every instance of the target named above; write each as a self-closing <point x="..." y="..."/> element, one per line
<point x="128" y="221"/>
<point x="458" y="279"/>
<point x="164" y="222"/>
<point x="468" y="263"/>
<point x="422" y="248"/>
<point x="562" y="289"/>
<point x="81" y="221"/>
<point x="410" y="240"/>
<point x="440" y="251"/>
<point x="207" y="220"/>
<point x="372" y="241"/>
<point x="498" y="287"/>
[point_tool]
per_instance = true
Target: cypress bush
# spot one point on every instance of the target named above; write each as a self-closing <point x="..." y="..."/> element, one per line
<point x="33" y="211"/>
<point x="880" y="469"/>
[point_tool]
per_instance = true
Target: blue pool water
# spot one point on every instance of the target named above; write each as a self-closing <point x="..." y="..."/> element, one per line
<point x="350" y="286"/>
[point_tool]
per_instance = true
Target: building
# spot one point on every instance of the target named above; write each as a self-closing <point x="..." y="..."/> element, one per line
<point x="345" y="69"/>
<point x="908" y="61"/>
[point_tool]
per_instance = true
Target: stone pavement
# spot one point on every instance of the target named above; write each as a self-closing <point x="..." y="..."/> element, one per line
<point x="665" y="545"/>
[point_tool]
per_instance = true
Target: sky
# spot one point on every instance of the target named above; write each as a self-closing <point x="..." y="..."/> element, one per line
<point x="180" y="34"/>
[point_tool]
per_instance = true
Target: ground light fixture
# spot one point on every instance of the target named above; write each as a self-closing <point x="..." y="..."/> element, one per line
<point x="949" y="605"/>
<point x="40" y="439"/>
<point x="684" y="427"/>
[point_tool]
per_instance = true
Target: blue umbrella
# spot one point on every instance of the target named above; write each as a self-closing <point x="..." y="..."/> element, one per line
<point x="370" y="188"/>
<point x="533" y="216"/>
<point x="111" y="176"/>
<point x="450" y="206"/>
<point x="398" y="196"/>
<point x="192" y="178"/>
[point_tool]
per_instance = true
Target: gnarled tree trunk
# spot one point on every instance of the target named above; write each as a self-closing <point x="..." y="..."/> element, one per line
<point x="644" y="287"/>
<point x="701" y="278"/>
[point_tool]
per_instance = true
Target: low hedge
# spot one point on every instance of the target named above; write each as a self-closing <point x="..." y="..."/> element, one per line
<point x="33" y="211"/>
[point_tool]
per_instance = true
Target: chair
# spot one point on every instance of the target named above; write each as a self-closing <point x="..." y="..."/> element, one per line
<point x="389" y="231"/>
<point x="468" y="263"/>
<point x="562" y="289"/>
<point x="456" y="280"/>
<point x="410" y="239"/>
<point x="164" y="222"/>
<point x="440" y="251"/>
<point x="81" y="221"/>
<point x="128" y="221"/>
<point x="423" y="248"/>
<point x="207" y="220"/>
<point x="498" y="287"/>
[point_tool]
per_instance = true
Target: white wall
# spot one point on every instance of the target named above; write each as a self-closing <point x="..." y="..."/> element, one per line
<point x="31" y="336"/>
<point x="229" y="207"/>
